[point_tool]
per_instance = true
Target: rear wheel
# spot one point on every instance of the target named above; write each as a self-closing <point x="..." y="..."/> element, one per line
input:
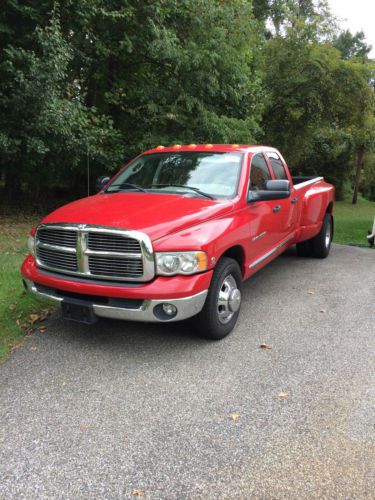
<point x="321" y="244"/>
<point x="220" y="312"/>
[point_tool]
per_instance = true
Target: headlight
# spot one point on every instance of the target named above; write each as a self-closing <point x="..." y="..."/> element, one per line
<point x="31" y="244"/>
<point x="169" y="263"/>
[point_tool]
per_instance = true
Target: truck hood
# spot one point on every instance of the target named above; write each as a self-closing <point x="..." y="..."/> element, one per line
<point x="157" y="215"/>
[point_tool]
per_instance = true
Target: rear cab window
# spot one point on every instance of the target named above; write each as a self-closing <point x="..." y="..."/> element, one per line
<point x="277" y="165"/>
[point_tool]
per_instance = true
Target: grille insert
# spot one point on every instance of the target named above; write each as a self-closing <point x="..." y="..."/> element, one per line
<point x="58" y="237"/>
<point x="57" y="259"/>
<point x="112" y="243"/>
<point x="111" y="266"/>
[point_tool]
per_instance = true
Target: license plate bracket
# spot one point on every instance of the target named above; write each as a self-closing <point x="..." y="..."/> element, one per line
<point x="75" y="311"/>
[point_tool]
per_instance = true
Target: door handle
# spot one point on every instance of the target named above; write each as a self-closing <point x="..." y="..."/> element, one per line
<point x="294" y="200"/>
<point x="276" y="208"/>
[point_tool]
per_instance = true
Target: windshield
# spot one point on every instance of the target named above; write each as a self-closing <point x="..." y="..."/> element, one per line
<point x="211" y="175"/>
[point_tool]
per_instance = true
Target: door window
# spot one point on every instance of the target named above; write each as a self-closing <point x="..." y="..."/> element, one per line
<point x="259" y="173"/>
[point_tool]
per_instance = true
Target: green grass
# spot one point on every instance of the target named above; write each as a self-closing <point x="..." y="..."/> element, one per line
<point x="15" y="306"/>
<point x="353" y="221"/>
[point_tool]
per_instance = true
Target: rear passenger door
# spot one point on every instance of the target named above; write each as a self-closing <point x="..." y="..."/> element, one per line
<point x="286" y="208"/>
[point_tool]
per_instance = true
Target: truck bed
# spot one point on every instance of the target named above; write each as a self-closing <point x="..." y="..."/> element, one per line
<point x="304" y="180"/>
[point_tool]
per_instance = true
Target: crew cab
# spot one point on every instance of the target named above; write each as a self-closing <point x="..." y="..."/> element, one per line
<point x="175" y="233"/>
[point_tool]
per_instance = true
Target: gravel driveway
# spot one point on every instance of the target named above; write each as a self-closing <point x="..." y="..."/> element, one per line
<point x="120" y="410"/>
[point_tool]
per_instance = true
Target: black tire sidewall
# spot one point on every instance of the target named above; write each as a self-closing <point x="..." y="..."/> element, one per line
<point x="320" y="250"/>
<point x="207" y="320"/>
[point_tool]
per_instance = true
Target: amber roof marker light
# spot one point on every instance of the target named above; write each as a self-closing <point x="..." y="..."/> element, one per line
<point x="177" y="146"/>
<point x="192" y="146"/>
<point x="209" y="146"/>
<point x="160" y="147"/>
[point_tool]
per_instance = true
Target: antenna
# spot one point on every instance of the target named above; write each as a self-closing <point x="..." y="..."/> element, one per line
<point x="88" y="169"/>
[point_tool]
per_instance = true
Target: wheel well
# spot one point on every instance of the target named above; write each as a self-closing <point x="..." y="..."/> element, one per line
<point x="237" y="253"/>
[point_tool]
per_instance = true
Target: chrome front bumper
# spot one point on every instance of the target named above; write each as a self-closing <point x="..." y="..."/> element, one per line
<point x="186" y="306"/>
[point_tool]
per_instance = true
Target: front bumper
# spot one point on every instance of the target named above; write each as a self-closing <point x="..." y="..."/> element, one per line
<point x="133" y="302"/>
<point x="143" y="310"/>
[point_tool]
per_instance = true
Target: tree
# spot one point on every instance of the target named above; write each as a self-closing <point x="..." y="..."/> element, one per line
<point x="46" y="129"/>
<point x="319" y="106"/>
<point x="352" y="45"/>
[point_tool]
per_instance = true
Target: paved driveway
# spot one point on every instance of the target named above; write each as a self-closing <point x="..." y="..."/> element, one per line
<point x="99" y="412"/>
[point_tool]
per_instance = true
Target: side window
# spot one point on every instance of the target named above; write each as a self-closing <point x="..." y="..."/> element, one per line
<point x="277" y="166"/>
<point x="259" y="173"/>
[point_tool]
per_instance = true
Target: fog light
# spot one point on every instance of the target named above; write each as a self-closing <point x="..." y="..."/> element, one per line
<point x="169" y="309"/>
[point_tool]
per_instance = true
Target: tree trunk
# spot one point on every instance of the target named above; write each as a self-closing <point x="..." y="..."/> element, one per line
<point x="359" y="167"/>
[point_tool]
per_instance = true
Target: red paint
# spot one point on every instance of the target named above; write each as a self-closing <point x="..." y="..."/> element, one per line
<point x="176" y="223"/>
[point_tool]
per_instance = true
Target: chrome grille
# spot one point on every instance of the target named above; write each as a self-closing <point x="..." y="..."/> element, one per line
<point x="95" y="252"/>
<point x="106" y="266"/>
<point x="59" y="237"/>
<point x="57" y="259"/>
<point x="112" y="243"/>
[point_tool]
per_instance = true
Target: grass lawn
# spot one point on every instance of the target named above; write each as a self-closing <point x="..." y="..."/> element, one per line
<point x="19" y="314"/>
<point x="353" y="221"/>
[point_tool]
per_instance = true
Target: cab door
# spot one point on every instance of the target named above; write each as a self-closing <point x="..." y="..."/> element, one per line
<point x="285" y="209"/>
<point x="263" y="219"/>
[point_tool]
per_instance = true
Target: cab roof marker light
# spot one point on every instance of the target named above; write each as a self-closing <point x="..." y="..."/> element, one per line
<point x="235" y="145"/>
<point x="177" y="146"/>
<point x="192" y="146"/>
<point x="209" y="145"/>
<point x="160" y="147"/>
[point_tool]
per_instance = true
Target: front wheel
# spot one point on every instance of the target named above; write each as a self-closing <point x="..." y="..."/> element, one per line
<point x="221" y="309"/>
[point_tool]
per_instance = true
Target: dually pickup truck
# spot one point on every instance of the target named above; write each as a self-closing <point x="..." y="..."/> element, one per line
<point x="175" y="233"/>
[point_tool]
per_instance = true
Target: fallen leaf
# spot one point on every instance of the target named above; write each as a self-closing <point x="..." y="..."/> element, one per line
<point x="42" y="328"/>
<point x="235" y="417"/>
<point x="33" y="348"/>
<point x="265" y="346"/>
<point x="323" y="310"/>
<point x="138" y="493"/>
<point x="12" y="307"/>
<point x="83" y="426"/>
<point x="34" y="317"/>
<point x="311" y="292"/>
<point x="283" y="394"/>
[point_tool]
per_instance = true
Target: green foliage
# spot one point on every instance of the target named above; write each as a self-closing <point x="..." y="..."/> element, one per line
<point x="320" y="107"/>
<point x="351" y="45"/>
<point x="99" y="81"/>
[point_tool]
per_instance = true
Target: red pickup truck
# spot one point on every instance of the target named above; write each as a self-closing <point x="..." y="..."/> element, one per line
<point x="175" y="233"/>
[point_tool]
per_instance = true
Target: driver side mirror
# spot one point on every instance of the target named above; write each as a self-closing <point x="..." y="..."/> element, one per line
<point x="275" y="190"/>
<point x="101" y="182"/>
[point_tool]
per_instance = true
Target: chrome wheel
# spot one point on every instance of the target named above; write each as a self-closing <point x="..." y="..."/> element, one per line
<point x="229" y="299"/>
<point x="328" y="235"/>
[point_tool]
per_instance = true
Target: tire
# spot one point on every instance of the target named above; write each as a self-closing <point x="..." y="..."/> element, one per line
<point x="321" y="244"/>
<point x="216" y="321"/>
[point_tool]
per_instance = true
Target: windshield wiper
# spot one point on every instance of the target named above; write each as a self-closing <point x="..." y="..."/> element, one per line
<point x="206" y="195"/>
<point x="123" y="184"/>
